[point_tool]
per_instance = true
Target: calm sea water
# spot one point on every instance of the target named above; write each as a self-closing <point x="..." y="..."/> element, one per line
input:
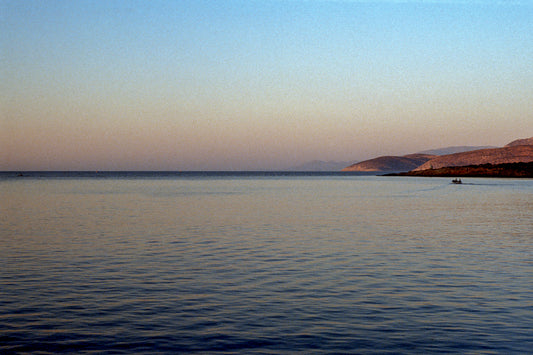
<point x="265" y="263"/>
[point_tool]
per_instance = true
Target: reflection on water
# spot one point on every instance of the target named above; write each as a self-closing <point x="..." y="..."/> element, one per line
<point x="266" y="264"/>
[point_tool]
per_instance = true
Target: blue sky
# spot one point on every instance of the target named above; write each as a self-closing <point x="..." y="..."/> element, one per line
<point x="239" y="85"/>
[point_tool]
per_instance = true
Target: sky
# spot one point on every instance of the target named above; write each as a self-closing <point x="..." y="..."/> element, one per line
<point x="257" y="85"/>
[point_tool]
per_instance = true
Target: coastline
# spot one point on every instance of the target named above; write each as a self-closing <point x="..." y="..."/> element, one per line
<point x="507" y="170"/>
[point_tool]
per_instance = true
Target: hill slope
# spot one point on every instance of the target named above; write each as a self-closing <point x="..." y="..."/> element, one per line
<point x="455" y="149"/>
<point x="525" y="141"/>
<point x="507" y="154"/>
<point x="390" y="163"/>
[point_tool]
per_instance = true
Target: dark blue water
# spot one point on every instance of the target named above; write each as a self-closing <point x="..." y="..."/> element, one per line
<point x="264" y="263"/>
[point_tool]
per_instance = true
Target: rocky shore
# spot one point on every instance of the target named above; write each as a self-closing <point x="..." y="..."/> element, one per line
<point x="507" y="170"/>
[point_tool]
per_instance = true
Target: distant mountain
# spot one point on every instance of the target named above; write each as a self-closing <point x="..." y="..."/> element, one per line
<point x="507" y="154"/>
<point x="391" y="163"/>
<point x="525" y="141"/>
<point x="319" y="165"/>
<point x="453" y="150"/>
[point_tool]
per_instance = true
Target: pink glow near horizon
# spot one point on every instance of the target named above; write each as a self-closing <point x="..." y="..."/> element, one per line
<point x="251" y="86"/>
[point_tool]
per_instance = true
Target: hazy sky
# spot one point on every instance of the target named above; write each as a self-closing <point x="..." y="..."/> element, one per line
<point x="226" y="85"/>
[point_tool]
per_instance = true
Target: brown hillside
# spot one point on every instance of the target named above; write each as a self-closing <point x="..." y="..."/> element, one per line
<point x="390" y="163"/>
<point x="507" y="154"/>
<point x="526" y="141"/>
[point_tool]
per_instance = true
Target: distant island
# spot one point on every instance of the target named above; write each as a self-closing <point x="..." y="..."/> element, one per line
<point x="506" y="170"/>
<point x="319" y="165"/>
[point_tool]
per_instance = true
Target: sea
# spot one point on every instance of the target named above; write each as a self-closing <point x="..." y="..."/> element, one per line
<point x="264" y="263"/>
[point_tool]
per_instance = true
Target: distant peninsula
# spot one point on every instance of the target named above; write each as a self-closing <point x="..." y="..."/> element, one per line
<point x="513" y="160"/>
<point x="390" y="163"/>
<point x="319" y="165"/>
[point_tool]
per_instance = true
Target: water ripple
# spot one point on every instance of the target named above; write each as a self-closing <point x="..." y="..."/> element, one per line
<point x="266" y="270"/>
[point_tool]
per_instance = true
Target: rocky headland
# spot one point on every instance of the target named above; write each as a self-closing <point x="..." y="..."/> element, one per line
<point x="390" y="163"/>
<point x="513" y="160"/>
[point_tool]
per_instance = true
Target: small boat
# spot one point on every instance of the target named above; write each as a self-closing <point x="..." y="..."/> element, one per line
<point x="457" y="181"/>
